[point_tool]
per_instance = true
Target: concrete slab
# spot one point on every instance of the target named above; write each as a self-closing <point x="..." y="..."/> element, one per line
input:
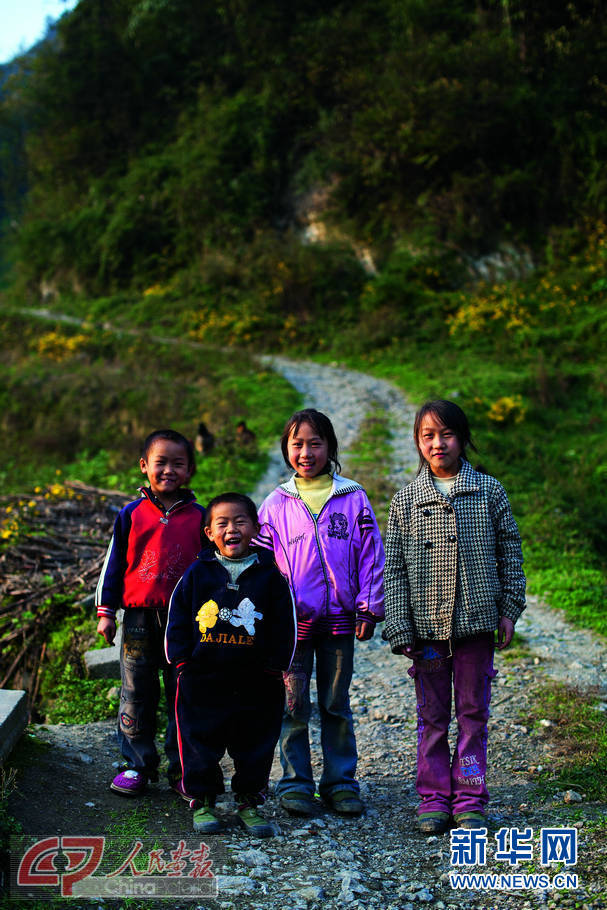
<point x="104" y="663"/>
<point x="13" y="718"/>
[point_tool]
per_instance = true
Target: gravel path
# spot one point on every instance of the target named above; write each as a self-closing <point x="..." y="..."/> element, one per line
<point x="347" y="397"/>
<point x="378" y="861"/>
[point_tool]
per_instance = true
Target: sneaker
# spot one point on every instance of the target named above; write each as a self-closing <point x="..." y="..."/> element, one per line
<point x="345" y="802"/>
<point x="205" y="819"/>
<point x="253" y="822"/>
<point x="129" y="782"/>
<point x="178" y="788"/>
<point x="470" y="820"/>
<point x="433" y="822"/>
<point x="297" y="803"/>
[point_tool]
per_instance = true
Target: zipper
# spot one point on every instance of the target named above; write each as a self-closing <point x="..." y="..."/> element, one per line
<point x="164" y="513"/>
<point x="179" y="502"/>
<point x="164" y="518"/>
<point x="320" y="556"/>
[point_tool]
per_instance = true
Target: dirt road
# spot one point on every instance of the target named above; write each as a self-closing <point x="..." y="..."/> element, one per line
<point x="378" y="861"/>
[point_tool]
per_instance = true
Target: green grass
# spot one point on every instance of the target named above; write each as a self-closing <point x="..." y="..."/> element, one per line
<point x="81" y="400"/>
<point x="370" y="462"/>
<point x="562" y="539"/>
<point x="66" y="694"/>
<point x="77" y="700"/>
<point x="579" y="738"/>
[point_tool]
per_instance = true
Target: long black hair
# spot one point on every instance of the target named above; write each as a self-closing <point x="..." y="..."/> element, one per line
<point x="321" y="425"/>
<point x="451" y="416"/>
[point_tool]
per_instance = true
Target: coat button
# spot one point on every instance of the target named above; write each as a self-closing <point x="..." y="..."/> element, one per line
<point x="452" y="538"/>
<point x="428" y="544"/>
<point x="426" y="512"/>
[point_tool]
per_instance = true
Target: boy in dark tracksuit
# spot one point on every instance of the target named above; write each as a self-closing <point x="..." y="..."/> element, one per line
<point x="230" y="633"/>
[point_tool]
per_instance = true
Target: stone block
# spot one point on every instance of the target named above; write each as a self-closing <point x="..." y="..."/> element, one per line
<point x="104" y="663"/>
<point x="13" y="718"/>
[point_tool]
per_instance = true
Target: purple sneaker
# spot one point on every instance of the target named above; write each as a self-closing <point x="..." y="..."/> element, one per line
<point x="177" y="787"/>
<point x="129" y="783"/>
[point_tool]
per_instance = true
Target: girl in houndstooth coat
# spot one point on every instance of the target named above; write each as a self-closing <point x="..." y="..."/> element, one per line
<point x="453" y="578"/>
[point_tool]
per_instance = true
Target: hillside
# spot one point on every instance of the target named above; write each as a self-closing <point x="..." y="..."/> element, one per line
<point x="416" y="188"/>
<point x="149" y="134"/>
<point x="412" y="189"/>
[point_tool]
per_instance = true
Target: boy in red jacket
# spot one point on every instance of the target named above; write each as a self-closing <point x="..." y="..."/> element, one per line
<point x="155" y="539"/>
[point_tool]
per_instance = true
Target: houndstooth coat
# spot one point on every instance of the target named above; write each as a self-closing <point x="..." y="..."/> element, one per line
<point x="453" y="564"/>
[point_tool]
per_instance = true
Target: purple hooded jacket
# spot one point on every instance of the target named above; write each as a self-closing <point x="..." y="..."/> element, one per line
<point x="334" y="563"/>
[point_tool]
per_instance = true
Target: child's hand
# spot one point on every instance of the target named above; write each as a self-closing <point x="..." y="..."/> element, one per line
<point x="364" y="630"/>
<point x="107" y="628"/>
<point x="411" y="652"/>
<point x="505" y="631"/>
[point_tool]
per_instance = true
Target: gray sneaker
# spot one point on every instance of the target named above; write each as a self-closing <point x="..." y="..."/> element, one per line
<point x="345" y="802"/>
<point x="297" y="803"/>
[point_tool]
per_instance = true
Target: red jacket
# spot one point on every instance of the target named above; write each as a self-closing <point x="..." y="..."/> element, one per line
<point x="150" y="549"/>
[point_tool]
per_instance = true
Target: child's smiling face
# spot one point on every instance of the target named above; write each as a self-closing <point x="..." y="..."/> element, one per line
<point x="307" y="452"/>
<point x="439" y="446"/>
<point x="231" y="529"/>
<point x="167" y="468"/>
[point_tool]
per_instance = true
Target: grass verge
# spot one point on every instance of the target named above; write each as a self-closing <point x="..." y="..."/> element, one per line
<point x="371" y="460"/>
<point x="578" y="735"/>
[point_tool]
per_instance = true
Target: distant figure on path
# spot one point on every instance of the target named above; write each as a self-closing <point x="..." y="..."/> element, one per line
<point x="245" y="437"/>
<point x="204" y="441"/>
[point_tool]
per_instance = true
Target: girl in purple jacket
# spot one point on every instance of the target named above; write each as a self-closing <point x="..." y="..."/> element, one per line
<point x="326" y="542"/>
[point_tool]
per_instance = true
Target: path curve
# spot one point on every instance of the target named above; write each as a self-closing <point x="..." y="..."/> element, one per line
<point x="347" y="397"/>
<point x="378" y="862"/>
<point x="567" y="653"/>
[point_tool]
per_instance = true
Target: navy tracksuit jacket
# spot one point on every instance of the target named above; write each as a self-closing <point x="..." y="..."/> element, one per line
<point x="229" y="643"/>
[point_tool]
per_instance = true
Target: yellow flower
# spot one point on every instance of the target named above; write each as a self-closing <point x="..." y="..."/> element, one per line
<point x="508" y="409"/>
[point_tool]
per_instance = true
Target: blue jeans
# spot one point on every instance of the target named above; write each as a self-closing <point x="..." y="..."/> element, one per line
<point x="334" y="664"/>
<point x="141" y="660"/>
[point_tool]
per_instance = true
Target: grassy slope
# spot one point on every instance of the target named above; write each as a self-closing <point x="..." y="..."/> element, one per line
<point x="524" y="359"/>
<point x="77" y="402"/>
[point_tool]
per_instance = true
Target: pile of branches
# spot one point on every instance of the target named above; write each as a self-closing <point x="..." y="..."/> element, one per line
<point x="54" y="562"/>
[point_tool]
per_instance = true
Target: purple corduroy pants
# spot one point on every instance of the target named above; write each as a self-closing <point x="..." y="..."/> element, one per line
<point x="446" y="783"/>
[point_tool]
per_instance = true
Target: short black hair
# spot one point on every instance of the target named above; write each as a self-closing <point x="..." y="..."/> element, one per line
<point x="239" y="498"/>
<point x="450" y="415"/>
<point x="321" y="425"/>
<point x="172" y="436"/>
